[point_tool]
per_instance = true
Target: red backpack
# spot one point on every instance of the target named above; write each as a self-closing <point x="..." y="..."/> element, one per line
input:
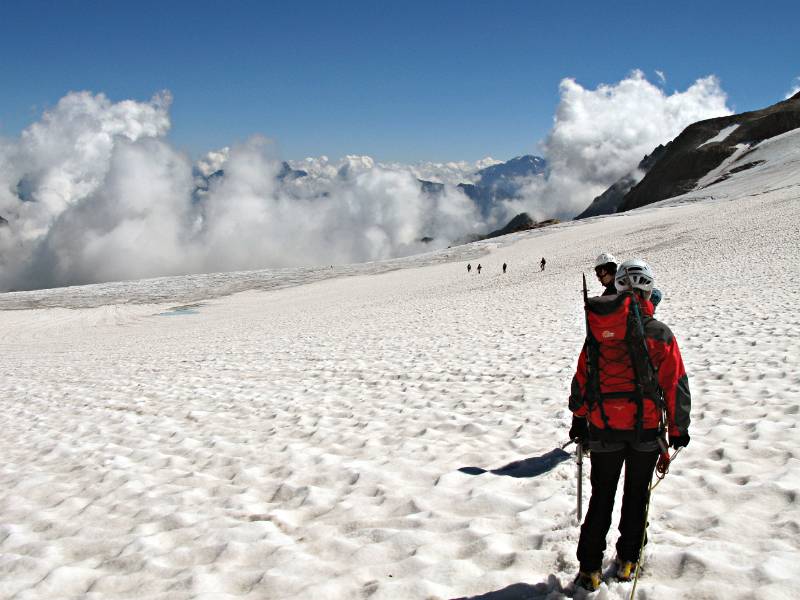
<point x="619" y="368"/>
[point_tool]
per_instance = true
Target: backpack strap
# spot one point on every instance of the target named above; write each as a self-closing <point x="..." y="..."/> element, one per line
<point x="593" y="394"/>
<point x="646" y="375"/>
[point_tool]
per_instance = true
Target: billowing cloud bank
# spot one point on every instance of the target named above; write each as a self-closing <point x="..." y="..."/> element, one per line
<point x="450" y="173"/>
<point x="602" y="134"/>
<point x="94" y="192"/>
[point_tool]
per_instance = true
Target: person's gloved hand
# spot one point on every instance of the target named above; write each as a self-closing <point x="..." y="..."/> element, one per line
<point x="679" y="441"/>
<point x="579" y="431"/>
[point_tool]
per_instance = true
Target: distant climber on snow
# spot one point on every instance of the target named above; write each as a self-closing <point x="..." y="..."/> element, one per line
<point x="542" y="264"/>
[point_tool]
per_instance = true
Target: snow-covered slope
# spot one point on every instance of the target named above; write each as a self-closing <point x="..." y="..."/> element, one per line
<point x="305" y="439"/>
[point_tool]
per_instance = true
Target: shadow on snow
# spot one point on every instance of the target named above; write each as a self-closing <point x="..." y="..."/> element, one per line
<point x="547" y="590"/>
<point x="529" y="467"/>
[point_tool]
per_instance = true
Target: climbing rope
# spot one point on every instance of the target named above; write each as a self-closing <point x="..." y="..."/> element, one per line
<point x="662" y="468"/>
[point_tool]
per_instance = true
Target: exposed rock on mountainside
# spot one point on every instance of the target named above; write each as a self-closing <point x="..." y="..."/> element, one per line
<point x="3" y="222"/>
<point x="431" y="187"/>
<point x="521" y="222"/>
<point x="679" y="166"/>
<point x="287" y="173"/>
<point x="703" y="146"/>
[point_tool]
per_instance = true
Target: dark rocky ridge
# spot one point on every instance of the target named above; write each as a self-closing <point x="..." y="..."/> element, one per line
<point x="688" y="157"/>
<point x="521" y="222"/>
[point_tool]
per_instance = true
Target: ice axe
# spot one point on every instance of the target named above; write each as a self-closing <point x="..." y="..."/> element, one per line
<point x="579" y="455"/>
<point x="580" y="480"/>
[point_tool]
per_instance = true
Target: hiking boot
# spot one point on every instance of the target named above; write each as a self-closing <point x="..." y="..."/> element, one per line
<point x="626" y="569"/>
<point x="589" y="580"/>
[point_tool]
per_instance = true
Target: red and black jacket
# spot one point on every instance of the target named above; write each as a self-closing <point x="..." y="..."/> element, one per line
<point x="619" y="398"/>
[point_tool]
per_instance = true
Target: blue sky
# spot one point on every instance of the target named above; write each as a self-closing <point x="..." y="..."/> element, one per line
<point x="406" y="82"/>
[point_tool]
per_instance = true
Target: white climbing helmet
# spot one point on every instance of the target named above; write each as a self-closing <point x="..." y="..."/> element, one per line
<point x="604" y="259"/>
<point x="634" y="274"/>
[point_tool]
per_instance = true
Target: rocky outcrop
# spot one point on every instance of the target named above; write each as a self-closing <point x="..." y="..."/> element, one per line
<point x="431" y="187"/>
<point x="522" y="222"/>
<point x="287" y="173"/>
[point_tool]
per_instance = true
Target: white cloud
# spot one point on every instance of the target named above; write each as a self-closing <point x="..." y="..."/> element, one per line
<point x="661" y="77"/>
<point x="65" y="156"/>
<point x="135" y="224"/>
<point x="600" y="135"/>
<point x="451" y="173"/>
<point x="56" y="164"/>
<point x="93" y="192"/>
<point x="795" y="88"/>
<point x="352" y="211"/>
<point x="213" y="161"/>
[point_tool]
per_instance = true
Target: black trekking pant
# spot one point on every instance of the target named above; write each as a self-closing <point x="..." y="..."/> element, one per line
<point x="606" y="468"/>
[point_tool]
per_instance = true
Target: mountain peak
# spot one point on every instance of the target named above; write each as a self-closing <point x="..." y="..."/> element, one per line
<point x="526" y="165"/>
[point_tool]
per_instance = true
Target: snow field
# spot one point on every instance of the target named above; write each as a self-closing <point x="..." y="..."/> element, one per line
<point x="306" y="442"/>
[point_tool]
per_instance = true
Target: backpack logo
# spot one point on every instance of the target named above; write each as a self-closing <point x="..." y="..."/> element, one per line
<point x="608" y="334"/>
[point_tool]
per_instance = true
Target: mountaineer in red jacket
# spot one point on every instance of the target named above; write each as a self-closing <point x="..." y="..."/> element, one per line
<point x="621" y="427"/>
